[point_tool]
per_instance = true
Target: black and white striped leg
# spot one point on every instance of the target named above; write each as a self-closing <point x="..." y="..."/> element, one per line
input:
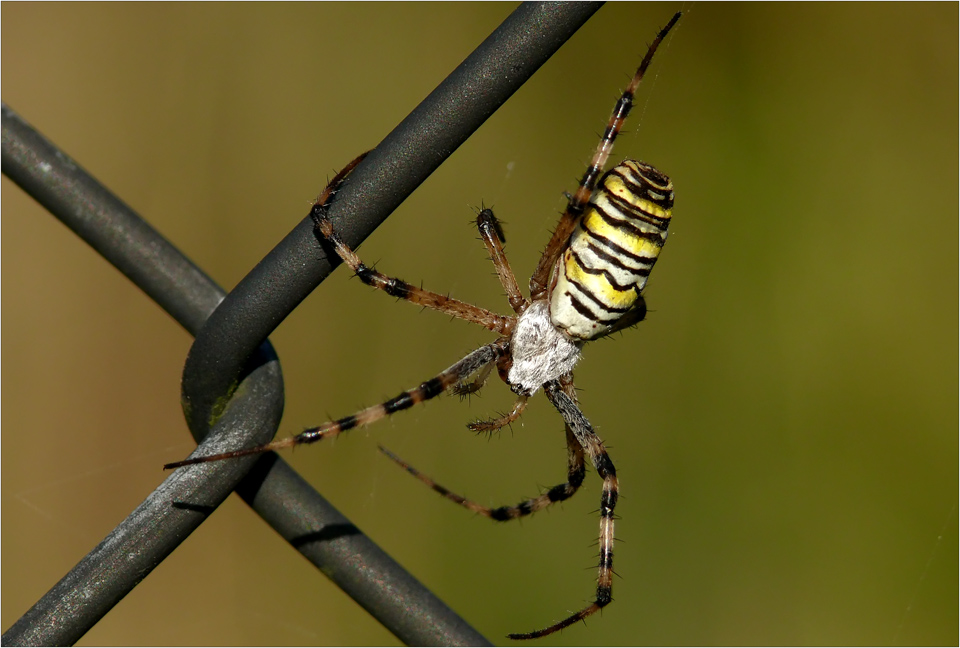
<point x="432" y="388"/>
<point x="401" y="289"/>
<point x="575" y="474"/>
<point x="593" y="447"/>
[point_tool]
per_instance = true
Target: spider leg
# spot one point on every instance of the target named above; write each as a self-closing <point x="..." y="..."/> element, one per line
<point x="559" y="393"/>
<point x="463" y="389"/>
<point x="559" y="493"/>
<point x="497" y="423"/>
<point x="397" y="287"/>
<point x="471" y="363"/>
<point x="576" y="204"/>
<point x="492" y="235"/>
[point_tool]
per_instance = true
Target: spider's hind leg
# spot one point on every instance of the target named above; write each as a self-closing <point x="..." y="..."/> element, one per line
<point x="563" y="397"/>
<point x="575" y="474"/>
<point x="577" y="203"/>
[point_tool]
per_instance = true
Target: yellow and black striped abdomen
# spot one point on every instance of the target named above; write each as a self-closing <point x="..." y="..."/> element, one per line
<point x="606" y="264"/>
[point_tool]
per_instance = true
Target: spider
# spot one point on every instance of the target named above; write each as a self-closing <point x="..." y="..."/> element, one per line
<point x="587" y="284"/>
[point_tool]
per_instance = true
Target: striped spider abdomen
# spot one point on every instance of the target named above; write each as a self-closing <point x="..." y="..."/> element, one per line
<point x="598" y="280"/>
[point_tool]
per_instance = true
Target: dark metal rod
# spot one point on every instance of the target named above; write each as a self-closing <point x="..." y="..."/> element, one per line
<point x="274" y="490"/>
<point x="155" y="528"/>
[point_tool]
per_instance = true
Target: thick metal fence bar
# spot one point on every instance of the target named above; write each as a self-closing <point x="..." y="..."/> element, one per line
<point x="107" y="224"/>
<point x="351" y="560"/>
<point x="508" y="57"/>
<point x="443" y="121"/>
<point x="155" y="528"/>
<point x="317" y="529"/>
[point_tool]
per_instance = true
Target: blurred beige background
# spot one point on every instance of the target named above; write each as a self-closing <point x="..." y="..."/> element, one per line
<point x="784" y="424"/>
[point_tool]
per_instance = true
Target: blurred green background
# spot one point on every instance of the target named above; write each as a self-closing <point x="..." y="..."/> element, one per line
<point x="784" y="423"/>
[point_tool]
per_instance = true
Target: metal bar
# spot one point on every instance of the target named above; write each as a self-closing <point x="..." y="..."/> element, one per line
<point x="273" y="489"/>
<point x="351" y="560"/>
<point x="107" y="224"/>
<point x="155" y="528"/>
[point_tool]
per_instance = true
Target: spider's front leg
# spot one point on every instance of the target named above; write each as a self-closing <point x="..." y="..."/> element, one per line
<point x="391" y="285"/>
<point x="576" y="468"/>
<point x="491" y="233"/>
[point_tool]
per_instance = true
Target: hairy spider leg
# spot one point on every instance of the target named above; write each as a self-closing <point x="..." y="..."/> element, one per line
<point x="401" y="289"/>
<point x="575" y="206"/>
<point x="471" y="363"/>
<point x="559" y="393"/>
<point x="582" y="441"/>
<point x="491" y="233"/>
<point x="493" y="425"/>
<point x="464" y="389"/>
<point x="575" y="474"/>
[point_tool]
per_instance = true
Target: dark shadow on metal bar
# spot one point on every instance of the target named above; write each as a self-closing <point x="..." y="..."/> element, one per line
<point x="235" y="333"/>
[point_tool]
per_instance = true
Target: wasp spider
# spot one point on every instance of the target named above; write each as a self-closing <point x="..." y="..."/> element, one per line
<point x="587" y="284"/>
